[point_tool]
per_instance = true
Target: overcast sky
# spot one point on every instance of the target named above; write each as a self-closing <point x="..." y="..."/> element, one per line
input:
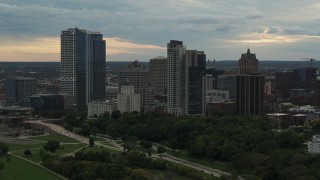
<point x="140" y="29"/>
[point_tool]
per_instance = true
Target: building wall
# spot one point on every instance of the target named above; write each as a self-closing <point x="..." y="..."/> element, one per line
<point x="128" y="100"/>
<point x="228" y="83"/>
<point x="175" y="51"/>
<point x="19" y="90"/>
<point x="250" y="94"/>
<point x="248" y="63"/>
<point x="47" y="102"/>
<point x="158" y="75"/>
<point x="99" y="108"/>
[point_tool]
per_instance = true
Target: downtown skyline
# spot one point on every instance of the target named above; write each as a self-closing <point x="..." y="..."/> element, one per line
<point x="286" y="30"/>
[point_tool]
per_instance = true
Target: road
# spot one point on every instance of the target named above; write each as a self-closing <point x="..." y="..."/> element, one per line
<point x="117" y="147"/>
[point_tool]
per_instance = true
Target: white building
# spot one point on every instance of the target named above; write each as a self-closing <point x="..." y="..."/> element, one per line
<point x="128" y="101"/>
<point x="99" y="108"/>
<point x="216" y="96"/>
<point x="303" y="109"/>
<point x="175" y="52"/>
<point x="314" y="145"/>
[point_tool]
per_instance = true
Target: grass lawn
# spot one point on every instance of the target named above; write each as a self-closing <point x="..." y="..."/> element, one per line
<point x="185" y="156"/>
<point x="98" y="148"/>
<point x="69" y="148"/>
<point x="35" y="157"/>
<point x="98" y="139"/>
<point x="14" y="147"/>
<point x="19" y="169"/>
<point x="57" y="137"/>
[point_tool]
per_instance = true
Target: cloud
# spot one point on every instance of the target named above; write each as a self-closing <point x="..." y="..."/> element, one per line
<point x="22" y="48"/>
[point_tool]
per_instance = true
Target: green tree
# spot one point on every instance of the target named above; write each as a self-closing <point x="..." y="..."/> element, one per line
<point x="3" y="149"/>
<point x="161" y="149"/>
<point x="91" y="142"/>
<point x="52" y="146"/>
<point x="27" y="152"/>
<point x="116" y="114"/>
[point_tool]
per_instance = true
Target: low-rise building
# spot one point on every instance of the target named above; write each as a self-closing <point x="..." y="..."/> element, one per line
<point x="98" y="108"/>
<point x="314" y="145"/>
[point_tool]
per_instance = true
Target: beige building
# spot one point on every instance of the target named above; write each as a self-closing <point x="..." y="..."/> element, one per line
<point x="98" y="108"/>
<point x="128" y="100"/>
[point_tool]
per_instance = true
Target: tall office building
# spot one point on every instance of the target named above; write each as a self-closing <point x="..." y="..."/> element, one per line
<point x="82" y="69"/>
<point x="138" y="76"/>
<point x="19" y="90"/>
<point x="176" y="76"/>
<point x="193" y="90"/>
<point x="305" y="77"/>
<point x="248" y="63"/>
<point x="158" y="75"/>
<point x="228" y="83"/>
<point x="250" y="94"/>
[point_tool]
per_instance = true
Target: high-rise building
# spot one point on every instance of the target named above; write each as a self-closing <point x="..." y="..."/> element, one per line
<point x="248" y="63"/>
<point x="158" y="75"/>
<point x="175" y="52"/>
<point x="250" y="94"/>
<point x="82" y="69"/>
<point x="19" y="90"/>
<point x="193" y="90"/>
<point x="228" y="83"/>
<point x="138" y="76"/>
<point x="305" y="77"/>
<point x="128" y="100"/>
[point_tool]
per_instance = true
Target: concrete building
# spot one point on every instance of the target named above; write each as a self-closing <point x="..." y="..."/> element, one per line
<point x="209" y="82"/>
<point x="82" y="69"/>
<point x="248" y="63"/>
<point x="175" y="52"/>
<point x="158" y="75"/>
<point x="314" y="145"/>
<point x="138" y="76"/>
<point x="128" y="100"/>
<point x="213" y="96"/>
<point x="19" y="90"/>
<point x="47" y="102"/>
<point x="112" y="92"/>
<point x="98" y="108"/>
<point x="283" y="85"/>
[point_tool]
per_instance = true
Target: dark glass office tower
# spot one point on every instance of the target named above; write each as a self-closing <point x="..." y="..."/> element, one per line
<point x="82" y="69"/>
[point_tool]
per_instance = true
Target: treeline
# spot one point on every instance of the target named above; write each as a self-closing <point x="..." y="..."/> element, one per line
<point x="101" y="165"/>
<point x="247" y="144"/>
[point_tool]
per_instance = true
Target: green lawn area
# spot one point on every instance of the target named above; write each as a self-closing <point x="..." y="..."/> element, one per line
<point x="69" y="148"/>
<point x="185" y="156"/>
<point x="19" y="169"/>
<point x="14" y="147"/>
<point x="35" y="157"/>
<point x="98" y="148"/>
<point x="57" y="137"/>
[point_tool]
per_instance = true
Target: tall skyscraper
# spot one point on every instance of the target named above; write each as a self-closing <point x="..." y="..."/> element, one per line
<point x="175" y="52"/>
<point x="158" y="75"/>
<point x="19" y="90"/>
<point x="138" y="76"/>
<point x="82" y="69"/>
<point x="248" y="63"/>
<point x="193" y="91"/>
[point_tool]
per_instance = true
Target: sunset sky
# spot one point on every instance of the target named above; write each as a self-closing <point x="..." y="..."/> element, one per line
<point x="140" y="29"/>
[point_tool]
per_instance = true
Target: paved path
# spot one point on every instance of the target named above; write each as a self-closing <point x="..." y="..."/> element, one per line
<point x="117" y="147"/>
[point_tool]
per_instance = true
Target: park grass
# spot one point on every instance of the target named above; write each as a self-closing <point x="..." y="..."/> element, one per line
<point x="98" y="139"/>
<point x="15" y="147"/>
<point x="19" y="169"/>
<point x="56" y="137"/>
<point x="35" y="157"/>
<point x="212" y="164"/>
<point x="99" y="149"/>
<point x="69" y="148"/>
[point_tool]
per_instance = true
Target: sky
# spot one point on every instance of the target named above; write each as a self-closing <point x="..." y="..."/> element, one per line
<point x="140" y="29"/>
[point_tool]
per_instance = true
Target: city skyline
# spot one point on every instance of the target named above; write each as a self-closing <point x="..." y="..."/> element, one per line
<point x="286" y="30"/>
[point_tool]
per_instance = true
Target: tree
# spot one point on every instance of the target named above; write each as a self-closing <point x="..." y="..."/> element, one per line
<point x="91" y="142"/>
<point x="3" y="149"/>
<point x="27" y="152"/>
<point x="116" y="114"/>
<point x="145" y="144"/>
<point x="52" y="146"/>
<point x="161" y="149"/>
